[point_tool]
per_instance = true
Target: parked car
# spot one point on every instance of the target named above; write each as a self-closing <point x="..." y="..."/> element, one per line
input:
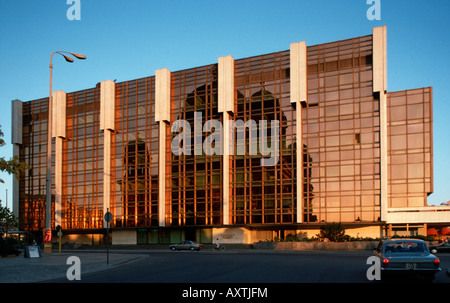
<point x="442" y="248"/>
<point x="7" y="250"/>
<point x="408" y="256"/>
<point x="186" y="245"/>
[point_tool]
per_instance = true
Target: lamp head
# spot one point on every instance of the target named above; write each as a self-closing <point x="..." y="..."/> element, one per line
<point x="79" y="56"/>
<point x="68" y="59"/>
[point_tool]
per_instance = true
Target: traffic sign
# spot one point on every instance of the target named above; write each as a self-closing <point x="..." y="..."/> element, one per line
<point x="108" y="216"/>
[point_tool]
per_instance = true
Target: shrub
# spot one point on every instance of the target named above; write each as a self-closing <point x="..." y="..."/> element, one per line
<point x="333" y="232"/>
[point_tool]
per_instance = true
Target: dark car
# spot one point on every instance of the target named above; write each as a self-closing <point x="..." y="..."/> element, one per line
<point x="410" y="256"/>
<point x="186" y="245"/>
<point x="8" y="250"/>
<point x="442" y="248"/>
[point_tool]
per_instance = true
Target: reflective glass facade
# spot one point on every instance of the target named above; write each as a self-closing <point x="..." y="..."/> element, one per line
<point x="134" y="157"/>
<point x="410" y="147"/>
<point x="341" y="134"/>
<point x="194" y="193"/>
<point x="264" y="194"/>
<point x="340" y="148"/>
<point x="82" y="164"/>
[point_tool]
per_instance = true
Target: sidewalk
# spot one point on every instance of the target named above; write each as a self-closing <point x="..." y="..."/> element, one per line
<point x="51" y="266"/>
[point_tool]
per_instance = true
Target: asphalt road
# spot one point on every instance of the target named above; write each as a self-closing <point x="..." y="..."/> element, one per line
<point x="247" y="266"/>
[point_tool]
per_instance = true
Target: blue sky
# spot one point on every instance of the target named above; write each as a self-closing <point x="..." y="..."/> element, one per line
<point x="130" y="39"/>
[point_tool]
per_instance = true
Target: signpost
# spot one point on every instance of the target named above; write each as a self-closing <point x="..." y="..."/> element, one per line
<point x="58" y="229"/>
<point x="108" y="218"/>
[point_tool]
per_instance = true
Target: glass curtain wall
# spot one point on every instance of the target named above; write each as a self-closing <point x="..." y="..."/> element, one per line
<point x="32" y="185"/>
<point x="341" y="134"/>
<point x="195" y="188"/>
<point x="410" y="147"/>
<point x="134" y="185"/>
<point x="82" y="164"/>
<point x="263" y="194"/>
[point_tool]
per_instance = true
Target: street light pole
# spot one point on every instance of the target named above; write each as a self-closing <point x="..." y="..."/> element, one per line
<point x="48" y="217"/>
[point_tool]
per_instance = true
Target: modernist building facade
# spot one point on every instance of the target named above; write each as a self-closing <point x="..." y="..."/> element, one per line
<point x="347" y="150"/>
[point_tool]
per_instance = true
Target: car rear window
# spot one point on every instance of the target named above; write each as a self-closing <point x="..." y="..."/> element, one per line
<point x="405" y="247"/>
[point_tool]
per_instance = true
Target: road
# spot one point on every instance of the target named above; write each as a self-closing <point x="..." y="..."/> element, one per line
<point x="247" y="266"/>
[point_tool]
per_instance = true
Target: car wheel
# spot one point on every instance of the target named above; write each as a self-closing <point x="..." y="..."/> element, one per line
<point x="192" y="248"/>
<point x="173" y="248"/>
<point x="433" y="251"/>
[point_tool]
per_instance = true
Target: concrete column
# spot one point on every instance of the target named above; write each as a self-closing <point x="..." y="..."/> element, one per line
<point x="226" y="93"/>
<point x="162" y="174"/>
<point x="226" y="84"/>
<point x="107" y="105"/>
<point x="298" y="72"/>
<point x="58" y="180"/>
<point x="107" y="125"/>
<point x="162" y="115"/>
<point x="380" y="88"/>
<point x="299" y="98"/>
<point x="227" y="151"/>
<point x="16" y="141"/>
<point x="59" y="114"/>
<point x="59" y="133"/>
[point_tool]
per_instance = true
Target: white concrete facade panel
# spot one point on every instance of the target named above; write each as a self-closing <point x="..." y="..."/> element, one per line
<point x="380" y="87"/>
<point x="59" y="114"/>
<point x="162" y="115"/>
<point x="107" y="122"/>
<point x="162" y="95"/>
<point x="299" y="95"/>
<point x="226" y="84"/>
<point x="411" y="215"/>
<point x="107" y="105"/>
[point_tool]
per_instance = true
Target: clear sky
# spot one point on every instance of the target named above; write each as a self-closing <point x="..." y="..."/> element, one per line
<point x="130" y="39"/>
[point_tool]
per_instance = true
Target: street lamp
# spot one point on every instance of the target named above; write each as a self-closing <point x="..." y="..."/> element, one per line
<point x="68" y="58"/>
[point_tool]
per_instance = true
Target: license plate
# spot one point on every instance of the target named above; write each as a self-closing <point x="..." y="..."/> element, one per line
<point x="410" y="265"/>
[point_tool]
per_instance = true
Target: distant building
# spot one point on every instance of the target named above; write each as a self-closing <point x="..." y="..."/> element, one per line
<point x="365" y="156"/>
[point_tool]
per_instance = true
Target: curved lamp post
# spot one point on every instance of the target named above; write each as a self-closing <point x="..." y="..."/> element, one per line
<point x="68" y="57"/>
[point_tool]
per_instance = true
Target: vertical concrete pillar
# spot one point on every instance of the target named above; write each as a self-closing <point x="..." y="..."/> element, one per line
<point x="16" y="141"/>
<point x="380" y="87"/>
<point x="299" y="96"/>
<point x="59" y="133"/>
<point x="226" y="106"/>
<point x="107" y="125"/>
<point x="162" y="115"/>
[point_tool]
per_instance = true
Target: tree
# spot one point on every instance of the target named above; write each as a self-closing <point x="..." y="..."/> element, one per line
<point x="333" y="232"/>
<point x="8" y="220"/>
<point x="12" y="166"/>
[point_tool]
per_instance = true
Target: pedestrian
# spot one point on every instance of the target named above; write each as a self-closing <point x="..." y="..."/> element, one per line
<point x="217" y="243"/>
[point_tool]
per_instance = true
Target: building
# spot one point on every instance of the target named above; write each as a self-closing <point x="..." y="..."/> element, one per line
<point x="154" y="151"/>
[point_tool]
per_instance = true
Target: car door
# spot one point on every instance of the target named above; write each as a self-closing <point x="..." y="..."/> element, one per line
<point x="183" y="245"/>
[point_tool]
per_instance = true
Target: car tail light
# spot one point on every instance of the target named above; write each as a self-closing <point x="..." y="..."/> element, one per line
<point x="386" y="261"/>
<point x="436" y="262"/>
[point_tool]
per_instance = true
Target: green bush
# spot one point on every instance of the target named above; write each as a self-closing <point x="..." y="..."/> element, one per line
<point x="334" y="232"/>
